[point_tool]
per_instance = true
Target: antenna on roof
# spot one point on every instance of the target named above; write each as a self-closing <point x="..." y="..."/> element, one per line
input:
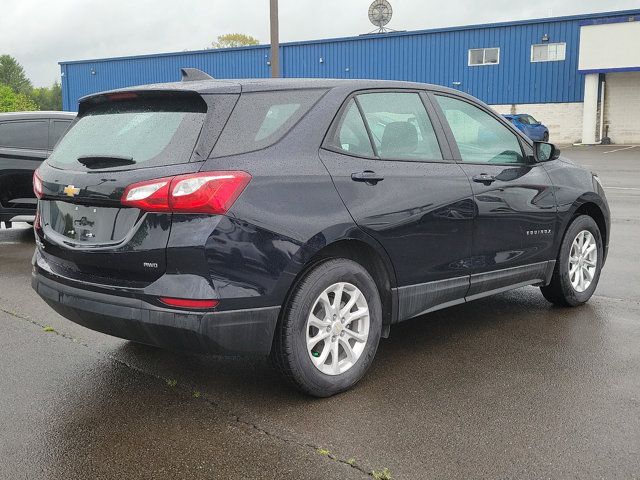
<point x="194" y="75"/>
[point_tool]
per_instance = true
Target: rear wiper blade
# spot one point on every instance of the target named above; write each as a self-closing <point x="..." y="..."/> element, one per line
<point x="105" y="161"/>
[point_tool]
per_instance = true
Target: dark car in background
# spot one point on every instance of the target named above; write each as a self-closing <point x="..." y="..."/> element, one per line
<point x="302" y="218"/>
<point x="531" y="127"/>
<point x="26" y="139"/>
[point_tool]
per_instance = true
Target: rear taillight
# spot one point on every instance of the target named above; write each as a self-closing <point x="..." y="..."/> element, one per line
<point x="152" y="195"/>
<point x="204" y="192"/>
<point x="37" y="184"/>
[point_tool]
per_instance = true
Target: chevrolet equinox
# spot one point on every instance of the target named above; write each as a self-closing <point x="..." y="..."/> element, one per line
<point x="301" y="219"/>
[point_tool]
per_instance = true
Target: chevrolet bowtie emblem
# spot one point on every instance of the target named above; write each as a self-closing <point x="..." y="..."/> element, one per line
<point x="70" y="191"/>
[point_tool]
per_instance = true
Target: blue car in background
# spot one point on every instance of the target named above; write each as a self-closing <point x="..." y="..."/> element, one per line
<point x="531" y="127"/>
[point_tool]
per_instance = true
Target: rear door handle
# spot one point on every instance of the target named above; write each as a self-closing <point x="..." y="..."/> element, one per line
<point x="369" y="177"/>
<point x="484" y="178"/>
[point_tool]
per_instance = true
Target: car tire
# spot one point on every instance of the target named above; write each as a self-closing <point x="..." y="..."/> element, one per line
<point x="565" y="288"/>
<point x="545" y="137"/>
<point x="296" y="328"/>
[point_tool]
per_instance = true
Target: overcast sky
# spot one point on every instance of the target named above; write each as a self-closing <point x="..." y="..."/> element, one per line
<point x="40" y="33"/>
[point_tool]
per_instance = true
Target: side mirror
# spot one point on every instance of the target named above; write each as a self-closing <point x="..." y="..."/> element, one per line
<point x="543" y="151"/>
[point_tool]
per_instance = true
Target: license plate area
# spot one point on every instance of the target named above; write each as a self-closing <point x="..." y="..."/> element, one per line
<point x="90" y="225"/>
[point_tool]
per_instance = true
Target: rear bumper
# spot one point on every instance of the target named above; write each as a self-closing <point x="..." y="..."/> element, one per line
<point x="236" y="332"/>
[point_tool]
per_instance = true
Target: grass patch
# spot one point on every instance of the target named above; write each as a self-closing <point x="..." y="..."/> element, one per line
<point x="323" y="451"/>
<point x="383" y="474"/>
<point x="196" y="394"/>
<point x="172" y="382"/>
<point x="49" y="329"/>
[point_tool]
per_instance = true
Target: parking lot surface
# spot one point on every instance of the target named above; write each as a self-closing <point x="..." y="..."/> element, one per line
<point x="504" y="387"/>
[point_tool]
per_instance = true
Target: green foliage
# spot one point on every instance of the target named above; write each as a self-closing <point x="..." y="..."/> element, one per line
<point x="13" y="75"/>
<point x="21" y="94"/>
<point x="383" y="474"/>
<point x="234" y="40"/>
<point x="323" y="451"/>
<point x="48" y="98"/>
<point x="10" y="101"/>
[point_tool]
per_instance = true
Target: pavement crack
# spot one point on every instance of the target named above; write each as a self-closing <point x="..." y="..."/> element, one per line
<point x="237" y="418"/>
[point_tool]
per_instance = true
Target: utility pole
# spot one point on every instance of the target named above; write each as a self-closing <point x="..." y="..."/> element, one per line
<point x="275" y="40"/>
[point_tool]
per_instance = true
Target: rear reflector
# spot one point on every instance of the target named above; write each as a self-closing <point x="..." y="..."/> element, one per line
<point x="204" y="192"/>
<point x="36" y="220"/>
<point x="37" y="184"/>
<point x="189" y="303"/>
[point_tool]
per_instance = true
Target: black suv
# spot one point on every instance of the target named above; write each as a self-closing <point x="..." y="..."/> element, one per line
<point x="302" y="218"/>
<point x="26" y="139"/>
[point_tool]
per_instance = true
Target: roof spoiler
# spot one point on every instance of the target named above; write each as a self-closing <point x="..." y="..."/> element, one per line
<point x="194" y="75"/>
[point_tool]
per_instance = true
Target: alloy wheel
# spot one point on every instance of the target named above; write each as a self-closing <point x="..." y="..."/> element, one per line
<point x="337" y="328"/>
<point x="583" y="260"/>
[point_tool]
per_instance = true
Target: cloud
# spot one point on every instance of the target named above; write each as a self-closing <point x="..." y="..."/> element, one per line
<point x="40" y="34"/>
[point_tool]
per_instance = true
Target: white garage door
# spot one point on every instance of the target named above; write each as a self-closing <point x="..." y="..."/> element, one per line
<point x="622" y="107"/>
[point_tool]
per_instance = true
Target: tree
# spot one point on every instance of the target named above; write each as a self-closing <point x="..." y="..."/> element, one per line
<point x="234" y="40"/>
<point x="48" y="98"/>
<point x="13" y="75"/>
<point x="11" y="101"/>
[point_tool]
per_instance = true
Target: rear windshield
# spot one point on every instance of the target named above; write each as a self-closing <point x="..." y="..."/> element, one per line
<point x="260" y="119"/>
<point x="143" y="132"/>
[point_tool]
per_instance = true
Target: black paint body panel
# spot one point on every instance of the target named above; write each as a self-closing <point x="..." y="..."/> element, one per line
<point x="441" y="238"/>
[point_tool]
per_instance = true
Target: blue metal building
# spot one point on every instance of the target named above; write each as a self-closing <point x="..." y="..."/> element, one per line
<point x="441" y="56"/>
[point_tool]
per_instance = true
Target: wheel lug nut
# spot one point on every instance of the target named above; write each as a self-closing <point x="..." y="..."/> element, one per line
<point x="342" y="334"/>
<point x="328" y="329"/>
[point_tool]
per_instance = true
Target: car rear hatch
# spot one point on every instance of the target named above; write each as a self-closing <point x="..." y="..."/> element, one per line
<point x="120" y="139"/>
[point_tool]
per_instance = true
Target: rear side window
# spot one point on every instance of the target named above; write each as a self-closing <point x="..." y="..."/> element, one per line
<point x="32" y="134"/>
<point x="400" y="126"/>
<point x="351" y="134"/>
<point x="260" y="119"/>
<point x="150" y="131"/>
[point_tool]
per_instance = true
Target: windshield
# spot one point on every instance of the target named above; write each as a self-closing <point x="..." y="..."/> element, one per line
<point x="148" y="131"/>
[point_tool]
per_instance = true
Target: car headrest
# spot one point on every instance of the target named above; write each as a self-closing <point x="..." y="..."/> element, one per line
<point x="399" y="138"/>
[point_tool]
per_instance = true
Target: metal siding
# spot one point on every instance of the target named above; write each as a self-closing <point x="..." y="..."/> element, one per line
<point x="437" y="56"/>
<point x="117" y="73"/>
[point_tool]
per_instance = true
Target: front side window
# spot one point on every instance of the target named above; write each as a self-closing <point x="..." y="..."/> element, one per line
<point x="548" y="52"/>
<point x="484" y="56"/>
<point x="260" y="119"/>
<point x="400" y="126"/>
<point x="30" y="134"/>
<point x="480" y="137"/>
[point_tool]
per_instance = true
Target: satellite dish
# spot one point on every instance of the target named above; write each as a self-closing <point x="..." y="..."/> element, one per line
<point x="380" y="12"/>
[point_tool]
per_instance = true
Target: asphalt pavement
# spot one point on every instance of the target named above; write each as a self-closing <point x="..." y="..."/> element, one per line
<point x="504" y="387"/>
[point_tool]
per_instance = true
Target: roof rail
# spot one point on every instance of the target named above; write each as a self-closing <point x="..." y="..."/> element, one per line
<point x="194" y="75"/>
